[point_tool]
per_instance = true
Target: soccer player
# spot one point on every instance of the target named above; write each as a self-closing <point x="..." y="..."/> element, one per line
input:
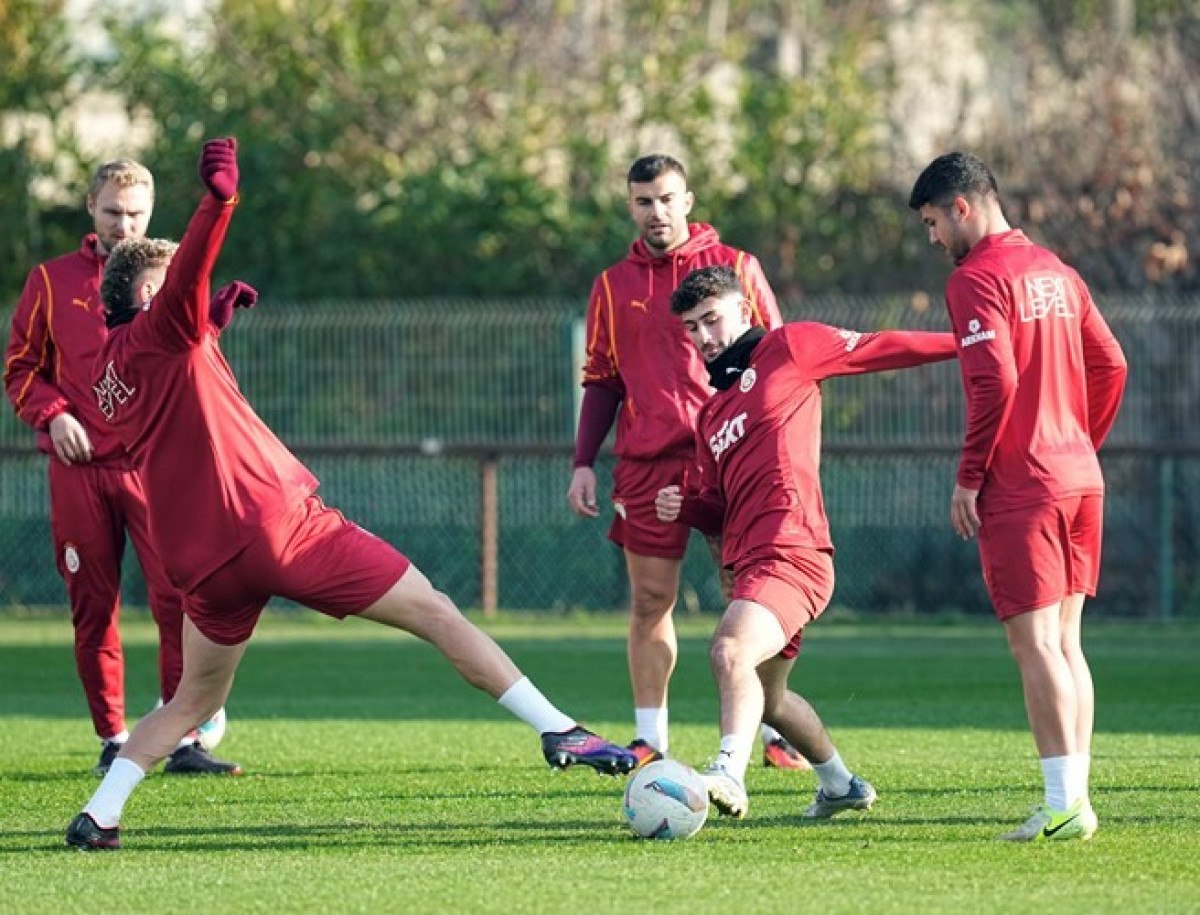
<point x="95" y="495"/>
<point x="759" y="439"/>
<point x="236" y="518"/>
<point x="640" y="365"/>
<point x="1044" y="377"/>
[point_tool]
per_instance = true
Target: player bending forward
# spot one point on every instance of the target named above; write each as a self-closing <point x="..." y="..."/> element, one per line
<point x="235" y="516"/>
<point x="758" y="442"/>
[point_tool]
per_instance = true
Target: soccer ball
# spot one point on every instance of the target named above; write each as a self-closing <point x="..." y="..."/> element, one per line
<point x="210" y="733"/>
<point x="666" y="800"/>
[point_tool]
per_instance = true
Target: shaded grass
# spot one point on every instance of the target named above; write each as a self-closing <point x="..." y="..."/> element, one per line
<point x="379" y="782"/>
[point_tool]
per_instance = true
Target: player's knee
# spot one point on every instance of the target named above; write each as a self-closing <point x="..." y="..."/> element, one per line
<point x="649" y="602"/>
<point x="726" y="655"/>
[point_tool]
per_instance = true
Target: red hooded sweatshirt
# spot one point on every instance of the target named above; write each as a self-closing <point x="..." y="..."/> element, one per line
<point x="57" y="330"/>
<point x="636" y="347"/>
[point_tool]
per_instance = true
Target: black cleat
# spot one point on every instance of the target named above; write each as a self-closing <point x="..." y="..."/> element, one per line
<point x="193" y="759"/>
<point x="86" y="835"/>
<point x="580" y="746"/>
<point x="108" y="752"/>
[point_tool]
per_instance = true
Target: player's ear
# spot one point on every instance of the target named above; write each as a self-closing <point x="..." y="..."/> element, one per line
<point x="688" y="200"/>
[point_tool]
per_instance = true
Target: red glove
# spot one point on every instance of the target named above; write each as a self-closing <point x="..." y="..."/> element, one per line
<point x="218" y="168"/>
<point x="235" y="295"/>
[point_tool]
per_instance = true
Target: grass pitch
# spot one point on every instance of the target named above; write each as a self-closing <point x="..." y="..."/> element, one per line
<point x="380" y="783"/>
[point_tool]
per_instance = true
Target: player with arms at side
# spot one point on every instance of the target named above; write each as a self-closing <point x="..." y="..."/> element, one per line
<point x="1044" y="377"/>
<point x="640" y="366"/>
<point x="95" y="494"/>
<point x="236" y="516"/>
<point x="759" y="441"/>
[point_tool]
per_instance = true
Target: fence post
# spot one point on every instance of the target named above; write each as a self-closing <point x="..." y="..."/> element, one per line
<point x="1166" y="537"/>
<point x="489" y="535"/>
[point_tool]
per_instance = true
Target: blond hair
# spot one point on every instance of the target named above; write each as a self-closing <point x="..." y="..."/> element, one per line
<point x="129" y="259"/>
<point x="123" y="173"/>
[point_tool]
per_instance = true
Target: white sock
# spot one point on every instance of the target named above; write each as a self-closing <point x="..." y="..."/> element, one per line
<point x="768" y="733"/>
<point x="526" y="701"/>
<point x="109" y="800"/>
<point x="117" y="738"/>
<point x="1055" y="773"/>
<point x="735" y="754"/>
<point x="833" y="775"/>
<point x="1078" y="766"/>
<point x="650" y="725"/>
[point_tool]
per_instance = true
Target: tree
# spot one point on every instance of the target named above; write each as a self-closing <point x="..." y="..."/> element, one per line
<point x="36" y="144"/>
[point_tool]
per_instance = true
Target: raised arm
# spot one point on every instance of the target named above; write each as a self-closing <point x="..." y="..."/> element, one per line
<point x="180" y="313"/>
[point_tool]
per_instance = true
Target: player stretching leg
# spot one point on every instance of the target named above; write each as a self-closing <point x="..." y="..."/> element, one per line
<point x="236" y="516"/>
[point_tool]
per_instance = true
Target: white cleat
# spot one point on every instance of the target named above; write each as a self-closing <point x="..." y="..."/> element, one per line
<point x="726" y="792"/>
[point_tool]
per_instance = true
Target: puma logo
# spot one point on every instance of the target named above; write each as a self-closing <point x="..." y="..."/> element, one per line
<point x="82" y="303"/>
<point x="644" y="306"/>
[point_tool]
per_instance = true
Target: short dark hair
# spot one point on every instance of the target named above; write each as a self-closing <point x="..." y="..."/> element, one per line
<point x="647" y="168"/>
<point x="128" y="260"/>
<point x="956" y="174"/>
<point x="705" y="283"/>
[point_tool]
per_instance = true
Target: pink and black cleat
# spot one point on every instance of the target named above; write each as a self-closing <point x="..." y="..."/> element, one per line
<point x="581" y="747"/>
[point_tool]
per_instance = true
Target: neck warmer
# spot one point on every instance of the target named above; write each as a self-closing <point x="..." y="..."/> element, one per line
<point x="725" y="369"/>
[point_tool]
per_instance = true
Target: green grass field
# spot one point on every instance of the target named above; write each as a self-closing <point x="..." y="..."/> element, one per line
<point x="379" y="782"/>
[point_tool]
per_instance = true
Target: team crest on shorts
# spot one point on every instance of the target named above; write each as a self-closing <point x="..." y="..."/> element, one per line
<point x="747" y="381"/>
<point x="71" y="557"/>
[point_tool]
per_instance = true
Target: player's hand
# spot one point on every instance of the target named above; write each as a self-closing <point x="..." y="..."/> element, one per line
<point x="234" y="295"/>
<point x="219" y="168"/>
<point x="964" y="514"/>
<point x="70" y="440"/>
<point x="582" y="493"/>
<point x="668" y="503"/>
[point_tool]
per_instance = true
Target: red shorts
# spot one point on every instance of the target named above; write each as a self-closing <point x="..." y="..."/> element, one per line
<point x="795" y="585"/>
<point x="635" y="525"/>
<point x="1034" y="557"/>
<point x="313" y="556"/>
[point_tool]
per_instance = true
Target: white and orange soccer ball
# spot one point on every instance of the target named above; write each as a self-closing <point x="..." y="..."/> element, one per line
<point x="665" y="800"/>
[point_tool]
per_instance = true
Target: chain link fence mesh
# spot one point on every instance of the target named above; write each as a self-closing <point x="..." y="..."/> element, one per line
<point x="398" y="408"/>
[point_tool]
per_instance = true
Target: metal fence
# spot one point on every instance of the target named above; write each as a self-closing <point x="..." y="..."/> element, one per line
<point x="447" y="428"/>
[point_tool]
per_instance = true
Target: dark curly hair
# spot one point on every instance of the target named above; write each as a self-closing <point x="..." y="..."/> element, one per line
<point x="705" y="283"/>
<point x="126" y="263"/>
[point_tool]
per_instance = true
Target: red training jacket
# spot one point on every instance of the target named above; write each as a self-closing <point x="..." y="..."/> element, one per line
<point x="759" y="442"/>
<point x="215" y="475"/>
<point x="1042" y="371"/>
<point x="57" y="330"/>
<point x="636" y="346"/>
